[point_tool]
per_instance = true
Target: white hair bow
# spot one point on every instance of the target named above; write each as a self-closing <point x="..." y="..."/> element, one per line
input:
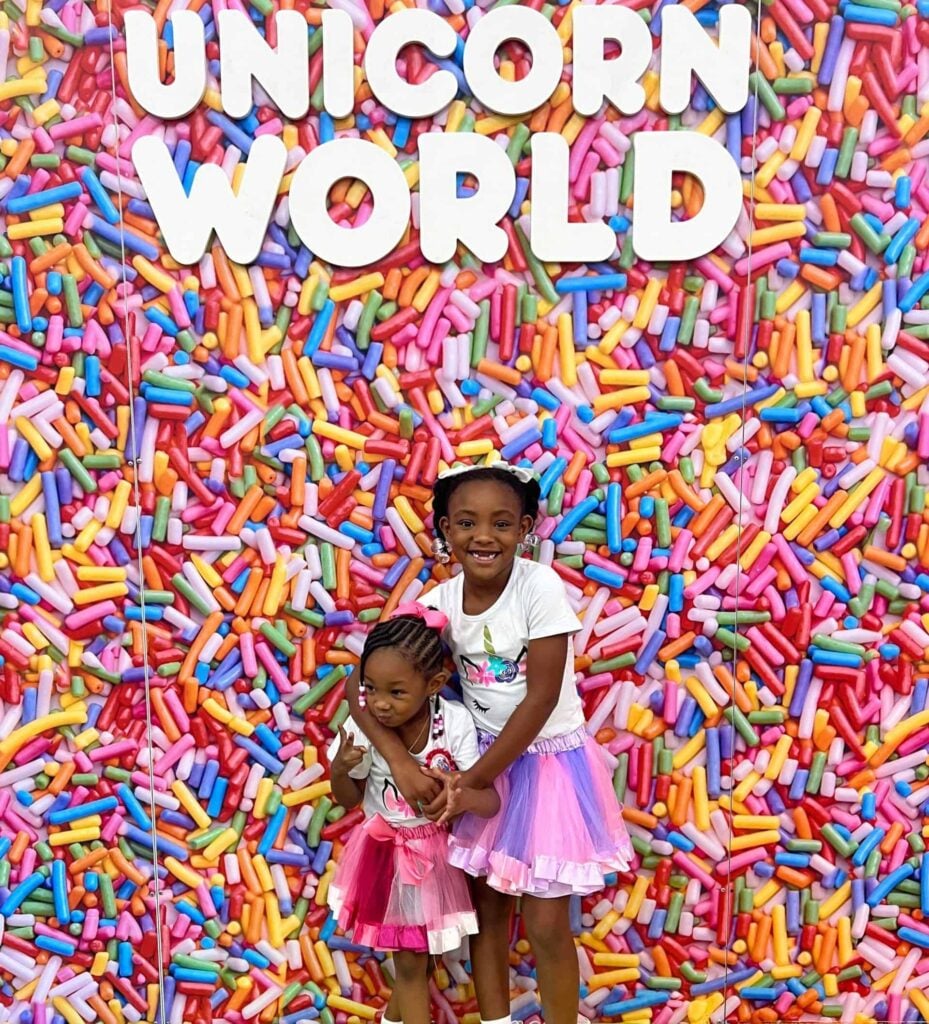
<point x="522" y="474"/>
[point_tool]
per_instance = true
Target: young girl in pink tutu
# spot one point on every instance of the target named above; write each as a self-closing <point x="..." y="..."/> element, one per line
<point x="394" y="888"/>
<point x="559" y="830"/>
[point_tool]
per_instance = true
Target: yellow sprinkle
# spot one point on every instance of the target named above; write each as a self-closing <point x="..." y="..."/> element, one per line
<point x="631" y="458"/>
<point x="829" y="906"/>
<point x="229" y="837"/>
<point x="32" y="85"/>
<point x="766" y="893"/>
<point x="791" y="294"/>
<point x="338" y="434"/>
<point x="352" y="289"/>
<point x="613" y="336"/>
<point x="100" y="573"/>
<point x="780" y="211"/>
<point x="426" y="291"/>
<point x="688" y="752"/>
<point x="34" y="228"/>
<point x="380" y="139"/>
<point x="74" y="835"/>
<point x="192" y="806"/>
<point x="84" y="738"/>
<point x="621" y="398"/>
<point x="182" y="873"/>
<point x="636" y="897"/>
<point x="302" y="796"/>
<point x="105" y="592"/>
<point x="647" y="304"/>
<point x="162" y="281"/>
<point x="810" y="389"/>
<point x="455" y="116"/>
<point x="494" y="124"/>
<point x="856" y="498"/>
<point x="864" y="305"/>
<point x="757" y="839"/>
<point x="624" y="378"/>
<point x="566" y="355"/>
<point x="67" y="1010"/>
<point x="765" y="173"/>
<point x="350" y="1006"/>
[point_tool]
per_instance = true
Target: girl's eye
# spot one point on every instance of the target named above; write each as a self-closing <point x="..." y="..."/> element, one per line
<point x="396" y="693"/>
<point x="503" y="526"/>
<point x="464" y="523"/>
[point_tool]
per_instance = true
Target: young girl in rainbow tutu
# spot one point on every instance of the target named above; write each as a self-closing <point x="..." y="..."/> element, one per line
<point x="559" y="830"/>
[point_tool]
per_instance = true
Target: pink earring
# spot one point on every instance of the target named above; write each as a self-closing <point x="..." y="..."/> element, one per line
<point x="362" y="700"/>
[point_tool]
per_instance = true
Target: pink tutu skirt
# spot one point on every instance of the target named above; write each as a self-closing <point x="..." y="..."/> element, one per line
<point x="559" y="830"/>
<point x="394" y="889"/>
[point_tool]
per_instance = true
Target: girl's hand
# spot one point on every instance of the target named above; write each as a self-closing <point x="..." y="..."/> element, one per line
<point x="348" y="756"/>
<point x="436" y="810"/>
<point x="460" y="796"/>
<point x="416" y="788"/>
<point x="447" y="803"/>
<point x="455" y="802"/>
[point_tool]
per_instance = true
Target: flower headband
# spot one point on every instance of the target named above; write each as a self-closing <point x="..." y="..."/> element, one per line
<point x="434" y="619"/>
<point x="522" y="474"/>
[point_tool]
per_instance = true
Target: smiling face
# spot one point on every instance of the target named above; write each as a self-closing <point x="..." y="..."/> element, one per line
<point x="484" y="526"/>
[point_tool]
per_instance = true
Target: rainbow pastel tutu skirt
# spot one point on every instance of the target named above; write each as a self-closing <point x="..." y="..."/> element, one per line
<point x="394" y="889"/>
<point x="559" y="830"/>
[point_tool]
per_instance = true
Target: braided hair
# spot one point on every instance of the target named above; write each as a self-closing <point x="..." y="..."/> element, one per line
<point x="528" y="492"/>
<point x="409" y="634"/>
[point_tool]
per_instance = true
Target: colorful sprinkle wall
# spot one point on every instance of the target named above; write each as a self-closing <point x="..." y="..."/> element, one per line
<point x="214" y="477"/>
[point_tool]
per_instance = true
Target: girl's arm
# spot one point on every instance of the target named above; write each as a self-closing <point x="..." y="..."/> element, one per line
<point x="544" y="674"/>
<point x="348" y="792"/>
<point x="414" y="787"/>
<point x="483" y="802"/>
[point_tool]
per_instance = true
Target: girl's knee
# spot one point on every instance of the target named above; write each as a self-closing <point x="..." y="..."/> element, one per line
<point x="548" y="926"/>
<point x="410" y="966"/>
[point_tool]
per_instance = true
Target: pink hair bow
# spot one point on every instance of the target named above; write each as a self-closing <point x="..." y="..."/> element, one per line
<point x="433" y="619"/>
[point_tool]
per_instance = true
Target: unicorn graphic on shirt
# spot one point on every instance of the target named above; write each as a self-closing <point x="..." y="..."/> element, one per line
<point x="493" y="669"/>
<point x="394" y="802"/>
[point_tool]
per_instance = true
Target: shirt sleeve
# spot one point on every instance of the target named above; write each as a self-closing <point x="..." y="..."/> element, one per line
<point x="360" y="740"/>
<point x="548" y="611"/>
<point x="463" y="736"/>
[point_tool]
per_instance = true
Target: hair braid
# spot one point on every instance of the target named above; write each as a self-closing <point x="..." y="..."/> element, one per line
<point x="407" y="633"/>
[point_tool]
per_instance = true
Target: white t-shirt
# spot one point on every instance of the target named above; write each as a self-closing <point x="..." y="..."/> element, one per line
<point x="490" y="649"/>
<point x="455" y="748"/>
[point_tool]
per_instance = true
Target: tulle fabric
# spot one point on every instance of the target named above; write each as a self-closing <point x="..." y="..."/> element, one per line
<point x="395" y="890"/>
<point x="559" y="830"/>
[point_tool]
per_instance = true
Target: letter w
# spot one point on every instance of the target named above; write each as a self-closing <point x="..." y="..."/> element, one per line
<point x="240" y="221"/>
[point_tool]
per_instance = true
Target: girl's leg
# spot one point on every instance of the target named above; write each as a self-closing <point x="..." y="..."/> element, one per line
<point x="548" y="929"/>
<point x="490" y="951"/>
<point x="393" y="1013"/>
<point x="412" y="989"/>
